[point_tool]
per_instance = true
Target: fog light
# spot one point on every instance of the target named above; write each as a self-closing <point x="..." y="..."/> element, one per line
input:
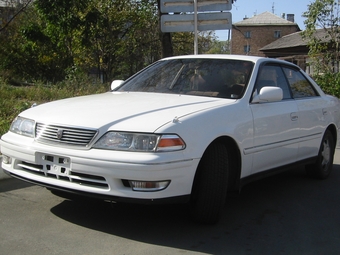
<point x="148" y="186"/>
<point x="6" y="159"/>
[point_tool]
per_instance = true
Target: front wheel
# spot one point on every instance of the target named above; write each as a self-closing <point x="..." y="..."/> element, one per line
<point x="210" y="184"/>
<point x="322" y="168"/>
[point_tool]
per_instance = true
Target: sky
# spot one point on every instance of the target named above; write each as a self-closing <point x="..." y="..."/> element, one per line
<point x="249" y="8"/>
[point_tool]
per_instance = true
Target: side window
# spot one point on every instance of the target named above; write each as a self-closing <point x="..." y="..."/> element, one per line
<point x="299" y="84"/>
<point x="272" y="75"/>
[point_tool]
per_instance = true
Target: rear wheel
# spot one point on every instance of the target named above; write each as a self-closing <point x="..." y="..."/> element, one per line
<point x="322" y="168"/>
<point x="210" y="184"/>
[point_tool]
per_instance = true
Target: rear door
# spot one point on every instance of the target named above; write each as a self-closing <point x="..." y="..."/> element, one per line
<point x="312" y="112"/>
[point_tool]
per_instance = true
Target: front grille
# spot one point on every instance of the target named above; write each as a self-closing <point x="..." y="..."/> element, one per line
<point x="64" y="135"/>
<point x="64" y="174"/>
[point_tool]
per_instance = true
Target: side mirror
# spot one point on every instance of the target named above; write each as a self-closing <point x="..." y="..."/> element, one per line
<point x="116" y="83"/>
<point x="268" y="94"/>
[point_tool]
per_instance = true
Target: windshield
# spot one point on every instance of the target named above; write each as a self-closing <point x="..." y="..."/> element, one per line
<point x="202" y="77"/>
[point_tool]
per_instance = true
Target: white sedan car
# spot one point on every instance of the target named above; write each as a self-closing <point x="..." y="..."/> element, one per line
<point x="185" y="129"/>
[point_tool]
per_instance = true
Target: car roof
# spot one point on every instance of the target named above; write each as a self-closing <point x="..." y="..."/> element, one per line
<point x="230" y="56"/>
<point x="217" y="56"/>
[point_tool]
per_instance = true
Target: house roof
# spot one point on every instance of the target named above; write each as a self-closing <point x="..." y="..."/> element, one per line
<point x="294" y="40"/>
<point x="266" y="18"/>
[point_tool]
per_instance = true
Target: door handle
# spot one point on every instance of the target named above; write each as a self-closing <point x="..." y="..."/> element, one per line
<point x="294" y="116"/>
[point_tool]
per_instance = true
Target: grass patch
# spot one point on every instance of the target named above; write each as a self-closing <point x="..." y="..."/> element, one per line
<point x="14" y="99"/>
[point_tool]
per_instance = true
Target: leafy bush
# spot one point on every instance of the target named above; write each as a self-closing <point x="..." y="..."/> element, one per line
<point x="330" y="83"/>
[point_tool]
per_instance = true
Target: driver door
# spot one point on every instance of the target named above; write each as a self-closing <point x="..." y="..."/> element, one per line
<point x="276" y="127"/>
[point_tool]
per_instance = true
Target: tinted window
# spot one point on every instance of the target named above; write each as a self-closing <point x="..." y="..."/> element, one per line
<point x="273" y="76"/>
<point x="299" y="84"/>
<point x="202" y="77"/>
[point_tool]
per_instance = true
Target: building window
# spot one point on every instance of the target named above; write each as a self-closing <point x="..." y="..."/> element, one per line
<point x="246" y="49"/>
<point x="277" y="34"/>
<point x="247" y="34"/>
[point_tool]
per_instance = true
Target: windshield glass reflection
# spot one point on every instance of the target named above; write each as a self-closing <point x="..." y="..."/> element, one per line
<point x="201" y="77"/>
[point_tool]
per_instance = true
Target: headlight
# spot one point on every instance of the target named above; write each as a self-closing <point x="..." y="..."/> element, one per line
<point x="139" y="142"/>
<point x="23" y="126"/>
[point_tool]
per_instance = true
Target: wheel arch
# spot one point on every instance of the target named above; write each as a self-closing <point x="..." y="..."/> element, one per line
<point x="235" y="163"/>
<point x="334" y="133"/>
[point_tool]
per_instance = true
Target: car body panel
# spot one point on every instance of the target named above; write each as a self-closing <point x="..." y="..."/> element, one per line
<point x="276" y="135"/>
<point x="153" y="110"/>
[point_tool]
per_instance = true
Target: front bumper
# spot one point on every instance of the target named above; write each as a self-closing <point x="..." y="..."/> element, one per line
<point x="98" y="173"/>
<point x="73" y="194"/>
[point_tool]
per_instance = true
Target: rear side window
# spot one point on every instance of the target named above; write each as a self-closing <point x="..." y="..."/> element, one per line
<point x="299" y="84"/>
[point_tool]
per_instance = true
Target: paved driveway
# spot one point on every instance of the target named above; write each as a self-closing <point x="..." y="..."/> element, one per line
<point x="284" y="214"/>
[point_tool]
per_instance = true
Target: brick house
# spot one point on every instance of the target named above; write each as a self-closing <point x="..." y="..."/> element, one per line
<point x="252" y="34"/>
<point x="291" y="48"/>
<point x="294" y="48"/>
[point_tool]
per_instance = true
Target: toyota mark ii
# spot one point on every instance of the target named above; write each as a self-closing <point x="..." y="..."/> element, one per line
<point x="185" y="129"/>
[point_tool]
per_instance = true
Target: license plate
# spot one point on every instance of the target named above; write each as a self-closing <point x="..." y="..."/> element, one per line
<point x="53" y="164"/>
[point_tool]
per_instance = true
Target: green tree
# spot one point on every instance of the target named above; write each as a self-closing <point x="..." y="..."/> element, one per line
<point x="54" y="39"/>
<point x="209" y="44"/>
<point x="120" y="35"/>
<point x="323" y="36"/>
<point x="36" y="47"/>
<point x="10" y="9"/>
<point x="21" y="57"/>
<point x="219" y="47"/>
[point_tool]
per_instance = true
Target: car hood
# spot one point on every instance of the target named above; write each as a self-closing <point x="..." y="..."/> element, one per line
<point x="128" y="111"/>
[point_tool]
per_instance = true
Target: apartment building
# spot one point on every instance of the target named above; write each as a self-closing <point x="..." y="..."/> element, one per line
<point x="252" y="34"/>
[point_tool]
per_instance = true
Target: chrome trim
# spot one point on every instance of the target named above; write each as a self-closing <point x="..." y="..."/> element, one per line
<point x="269" y="146"/>
<point x="57" y="134"/>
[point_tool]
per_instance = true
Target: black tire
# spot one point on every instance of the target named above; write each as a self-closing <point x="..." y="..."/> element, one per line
<point x="322" y="168"/>
<point x="210" y="185"/>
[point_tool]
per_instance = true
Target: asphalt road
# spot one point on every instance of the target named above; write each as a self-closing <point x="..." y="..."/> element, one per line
<point x="284" y="214"/>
